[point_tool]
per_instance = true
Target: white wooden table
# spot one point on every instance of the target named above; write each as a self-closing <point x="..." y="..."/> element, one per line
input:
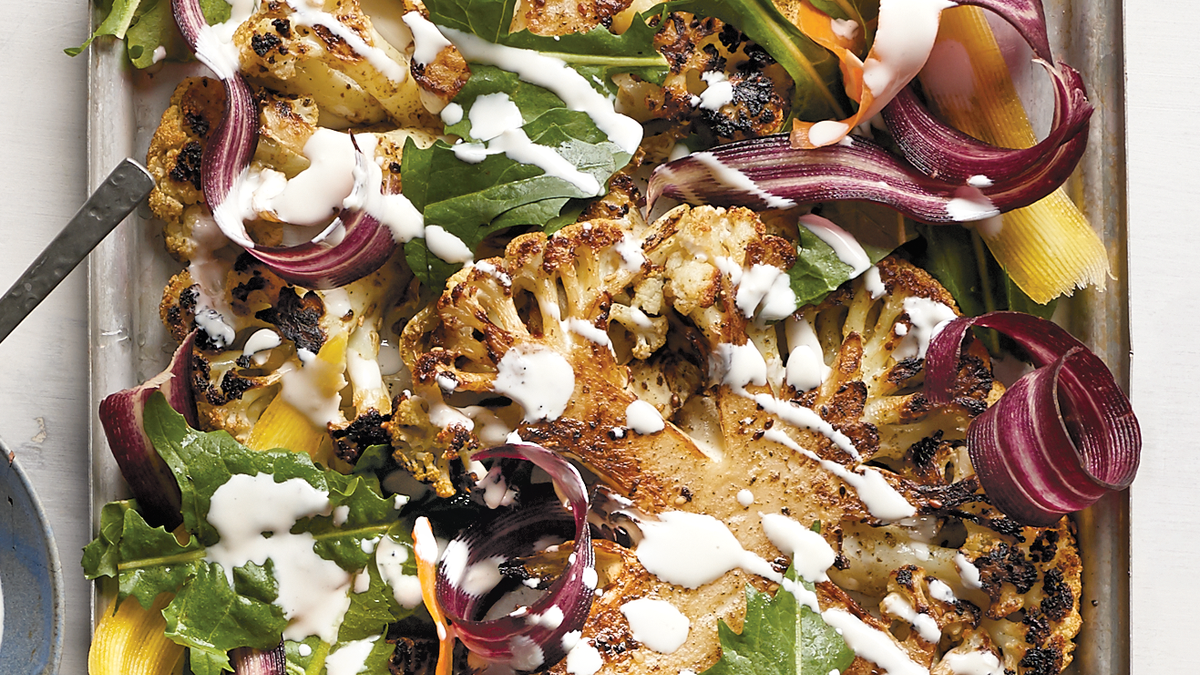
<point x="44" y="364"/>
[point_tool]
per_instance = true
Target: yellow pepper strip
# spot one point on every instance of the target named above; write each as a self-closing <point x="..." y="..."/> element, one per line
<point x="426" y="549"/>
<point x="283" y="426"/>
<point x="1048" y="248"/>
<point x="130" y="641"/>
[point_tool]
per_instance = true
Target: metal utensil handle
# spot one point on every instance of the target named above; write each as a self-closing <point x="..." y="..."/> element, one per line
<point x="116" y="197"/>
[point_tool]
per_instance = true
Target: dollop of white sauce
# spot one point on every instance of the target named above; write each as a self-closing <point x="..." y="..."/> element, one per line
<point x="811" y="554"/>
<point x="968" y="572"/>
<point x="643" y="418"/>
<point x="313" y="389"/>
<point x="390" y="557"/>
<point x="900" y="608"/>
<point x="587" y="330"/>
<point x="584" y="659"/>
<point x="844" y="245"/>
<point x="428" y="41"/>
<point x="313" y="592"/>
<point x="476" y="579"/>
<point x="973" y="663"/>
<point x="745" y="498"/>
<point x="693" y="549"/>
<point x="657" y="624"/>
<point x="719" y="91"/>
<point x="871" y="644"/>
<point x="873" y="283"/>
<point x="765" y="290"/>
<point x="969" y="203"/>
<point x="806" y="367"/>
<point x="928" y="317"/>
<point x="940" y="591"/>
<point x="446" y="245"/>
<point x="907" y="30"/>
<point x="350" y="658"/>
<point x="540" y="380"/>
<point x="553" y="74"/>
<point x="213" y="323"/>
<point x="451" y="114"/>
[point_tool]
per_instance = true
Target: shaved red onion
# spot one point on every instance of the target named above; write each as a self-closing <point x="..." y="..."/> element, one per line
<point x="541" y="635"/>
<point x="947" y="154"/>
<point x="149" y="478"/>
<point x="247" y="661"/>
<point x="1027" y="16"/>
<point x="351" y="247"/>
<point x="1060" y="438"/>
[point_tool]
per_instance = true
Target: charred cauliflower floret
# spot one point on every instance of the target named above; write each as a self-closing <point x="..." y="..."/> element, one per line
<point x="336" y="56"/>
<point x="720" y="85"/>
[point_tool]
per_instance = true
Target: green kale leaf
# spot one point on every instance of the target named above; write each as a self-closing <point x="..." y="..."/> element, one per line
<point x="473" y="201"/>
<point x="780" y="637"/>
<point x="147" y="25"/>
<point x="209" y="613"/>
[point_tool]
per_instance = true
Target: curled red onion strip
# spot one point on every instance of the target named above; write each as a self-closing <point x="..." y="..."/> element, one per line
<point x="247" y="661"/>
<point x="351" y="247"/>
<point x="148" y="476"/>
<point x="942" y="152"/>
<point x="1027" y="16"/>
<point x="1060" y="438"/>
<point x="767" y="172"/>
<point x="542" y="635"/>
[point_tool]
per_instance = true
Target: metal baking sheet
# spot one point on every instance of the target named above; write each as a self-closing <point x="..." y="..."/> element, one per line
<point x="128" y="343"/>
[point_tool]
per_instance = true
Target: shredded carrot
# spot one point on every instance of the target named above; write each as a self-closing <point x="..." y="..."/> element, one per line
<point x="425" y="546"/>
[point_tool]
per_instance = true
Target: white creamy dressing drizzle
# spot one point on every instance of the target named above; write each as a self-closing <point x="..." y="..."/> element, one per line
<point x="979" y="181"/>
<point x="928" y="317"/>
<point x="313" y="389"/>
<point x="926" y="626"/>
<point x="350" y="658"/>
<point x="452" y="114"/>
<point x="810" y="553"/>
<point x="765" y="291"/>
<point x="305" y="15"/>
<point x="587" y="330"/>
<point x="390" y="557"/>
<point x="428" y="41"/>
<point x="719" y="91"/>
<point x="745" y="498"/>
<point x="476" y="579"/>
<point x="844" y="245"/>
<point x="212" y="322"/>
<point x="314" y="195"/>
<point x="393" y="210"/>
<point x="584" y="659"/>
<point x="495" y="489"/>
<point x="734" y="179"/>
<point x="693" y="549"/>
<point x="496" y="122"/>
<point x="446" y="245"/>
<point x="973" y="663"/>
<point x="872" y="644"/>
<point x="874" y="283"/>
<point x="313" y="592"/>
<point x="657" y="624"/>
<point x="632" y="256"/>
<point x="968" y="572"/>
<point x="806" y="367"/>
<point x="827" y="131"/>
<point x="540" y="380"/>
<point x="969" y="203"/>
<point x="553" y="74"/>
<point x="938" y="590"/>
<point x="643" y="418"/>
<point x="907" y="30"/>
